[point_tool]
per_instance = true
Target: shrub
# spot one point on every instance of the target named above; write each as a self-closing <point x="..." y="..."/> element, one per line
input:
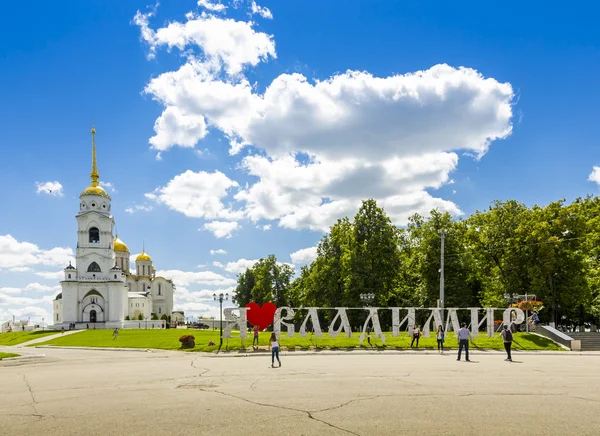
<point x="141" y="317"/>
<point x="127" y="318"/>
<point x="164" y="317"/>
<point x="154" y="317"/>
<point x="186" y="338"/>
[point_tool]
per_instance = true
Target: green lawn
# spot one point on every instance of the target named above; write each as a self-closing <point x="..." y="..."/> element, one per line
<point x="5" y="355"/>
<point x="168" y="340"/>
<point x="15" y="338"/>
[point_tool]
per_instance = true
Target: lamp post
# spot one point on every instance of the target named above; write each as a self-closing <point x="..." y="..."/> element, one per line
<point x="42" y="323"/>
<point x="367" y="299"/>
<point x="220" y="298"/>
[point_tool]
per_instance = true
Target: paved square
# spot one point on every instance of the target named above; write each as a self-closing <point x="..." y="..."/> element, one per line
<point x="75" y="392"/>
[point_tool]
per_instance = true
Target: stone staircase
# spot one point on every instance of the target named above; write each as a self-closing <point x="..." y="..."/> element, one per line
<point x="589" y="341"/>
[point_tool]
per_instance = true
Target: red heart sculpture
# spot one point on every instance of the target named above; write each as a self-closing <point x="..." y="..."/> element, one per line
<point x="261" y="316"/>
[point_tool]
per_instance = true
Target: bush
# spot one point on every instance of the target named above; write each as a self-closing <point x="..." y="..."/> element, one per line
<point x="127" y="318"/>
<point x="186" y="338"/>
<point x="164" y="317"/>
<point x="154" y="317"/>
<point x="141" y="317"/>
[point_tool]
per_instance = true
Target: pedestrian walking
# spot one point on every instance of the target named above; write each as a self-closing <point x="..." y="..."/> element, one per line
<point x="255" y="340"/>
<point x="274" y="346"/>
<point x="440" y="336"/>
<point x="463" y="341"/>
<point x="62" y="330"/>
<point x="115" y="334"/>
<point x="508" y="338"/>
<point x="415" y="336"/>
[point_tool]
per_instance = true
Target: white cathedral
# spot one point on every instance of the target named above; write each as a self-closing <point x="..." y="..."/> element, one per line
<point x="99" y="290"/>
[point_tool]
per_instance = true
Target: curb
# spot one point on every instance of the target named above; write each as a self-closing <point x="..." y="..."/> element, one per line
<point x="141" y="350"/>
<point x="31" y="356"/>
<point x="224" y="354"/>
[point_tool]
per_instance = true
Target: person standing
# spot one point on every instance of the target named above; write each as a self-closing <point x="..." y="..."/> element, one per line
<point x="440" y="339"/>
<point x="274" y="346"/>
<point x="463" y="341"/>
<point x="508" y="338"/>
<point x="115" y="334"/>
<point x="416" y="333"/>
<point x="255" y="340"/>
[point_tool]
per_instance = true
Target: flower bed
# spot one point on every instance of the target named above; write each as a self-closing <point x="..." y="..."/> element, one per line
<point x="187" y="341"/>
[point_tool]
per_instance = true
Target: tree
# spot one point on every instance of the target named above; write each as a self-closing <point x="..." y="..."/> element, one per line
<point x="267" y="280"/>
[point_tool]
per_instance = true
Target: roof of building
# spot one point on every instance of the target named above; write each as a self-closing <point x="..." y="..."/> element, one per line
<point x="119" y="245"/>
<point x="143" y="256"/>
<point x="59" y="296"/>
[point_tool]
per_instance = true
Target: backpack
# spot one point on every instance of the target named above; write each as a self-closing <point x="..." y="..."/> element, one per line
<point x="508" y="336"/>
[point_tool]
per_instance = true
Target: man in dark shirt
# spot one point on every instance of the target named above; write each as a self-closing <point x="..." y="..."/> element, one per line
<point x="508" y="338"/>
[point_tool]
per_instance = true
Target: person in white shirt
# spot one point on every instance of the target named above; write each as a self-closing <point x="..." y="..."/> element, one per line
<point x="416" y="334"/>
<point x="274" y="346"/>
<point x="463" y="341"/>
<point x="440" y="339"/>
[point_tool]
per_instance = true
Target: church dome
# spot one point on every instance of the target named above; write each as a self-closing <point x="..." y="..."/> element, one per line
<point x="120" y="245"/>
<point x="95" y="190"/>
<point x="143" y="256"/>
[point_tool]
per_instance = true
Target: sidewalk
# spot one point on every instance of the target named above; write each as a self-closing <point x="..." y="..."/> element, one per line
<point x="46" y="338"/>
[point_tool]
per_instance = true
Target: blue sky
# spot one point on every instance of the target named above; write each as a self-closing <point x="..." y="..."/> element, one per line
<point x="265" y="138"/>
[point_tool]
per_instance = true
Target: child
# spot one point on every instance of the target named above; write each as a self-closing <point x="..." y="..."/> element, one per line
<point x="274" y="346"/>
<point x="255" y="340"/>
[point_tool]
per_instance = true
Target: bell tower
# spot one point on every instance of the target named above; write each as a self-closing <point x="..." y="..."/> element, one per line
<point x="95" y="255"/>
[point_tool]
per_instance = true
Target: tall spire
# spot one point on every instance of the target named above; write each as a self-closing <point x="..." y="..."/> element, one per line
<point x="94" y="174"/>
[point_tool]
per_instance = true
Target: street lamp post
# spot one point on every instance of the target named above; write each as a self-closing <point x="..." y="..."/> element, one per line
<point x="220" y="298"/>
<point x="42" y="323"/>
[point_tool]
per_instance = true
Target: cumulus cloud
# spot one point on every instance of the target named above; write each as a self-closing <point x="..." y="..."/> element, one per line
<point x="49" y="188"/>
<point x="304" y="256"/>
<point x="324" y="145"/>
<point x="262" y="11"/>
<point x="186" y="278"/>
<point x="595" y="175"/>
<point x="175" y="127"/>
<point x="215" y="7"/>
<point x="48" y="275"/>
<point x="138" y="208"/>
<point x="197" y="195"/>
<point x="223" y="43"/>
<point x="219" y="251"/>
<point x="221" y="229"/>
<point x="17" y="255"/>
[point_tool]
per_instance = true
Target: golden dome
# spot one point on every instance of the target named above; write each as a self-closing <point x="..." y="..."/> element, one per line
<point x="143" y="256"/>
<point x="95" y="190"/>
<point x="120" y="245"/>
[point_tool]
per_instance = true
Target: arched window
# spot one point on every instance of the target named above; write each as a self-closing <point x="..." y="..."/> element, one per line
<point x="94" y="267"/>
<point x="159" y="289"/>
<point x="94" y="235"/>
<point x="69" y="275"/>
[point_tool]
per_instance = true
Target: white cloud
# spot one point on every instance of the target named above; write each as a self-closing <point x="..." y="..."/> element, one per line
<point x="304" y="256"/>
<point x="264" y="227"/>
<point x="239" y="266"/>
<point x="221" y="229"/>
<point x="54" y="276"/>
<point x="186" y="278"/>
<point x="215" y="7"/>
<point x="223" y="42"/>
<point x="175" y="127"/>
<point x="23" y="313"/>
<point x="49" y="188"/>
<point x="218" y="264"/>
<point x="138" y="208"/>
<point x="108" y="185"/>
<point x="262" y="11"/>
<point x="197" y="195"/>
<point x="7" y="290"/>
<point x="37" y="287"/>
<point x="595" y="175"/>
<point x="17" y="255"/>
<point x="219" y="251"/>
<point x="329" y="143"/>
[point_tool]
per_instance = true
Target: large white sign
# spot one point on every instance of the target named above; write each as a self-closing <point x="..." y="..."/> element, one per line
<point x="340" y="323"/>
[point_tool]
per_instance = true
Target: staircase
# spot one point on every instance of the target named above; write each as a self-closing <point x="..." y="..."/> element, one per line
<point x="589" y="341"/>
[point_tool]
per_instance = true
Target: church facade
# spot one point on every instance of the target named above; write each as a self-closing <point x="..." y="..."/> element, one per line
<point x="101" y="289"/>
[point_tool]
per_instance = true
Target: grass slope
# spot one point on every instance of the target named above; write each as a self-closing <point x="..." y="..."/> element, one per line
<point x="15" y="338"/>
<point x="5" y="355"/>
<point x="169" y="340"/>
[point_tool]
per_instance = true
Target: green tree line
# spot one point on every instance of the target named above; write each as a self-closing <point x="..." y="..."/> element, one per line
<point x="552" y="252"/>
